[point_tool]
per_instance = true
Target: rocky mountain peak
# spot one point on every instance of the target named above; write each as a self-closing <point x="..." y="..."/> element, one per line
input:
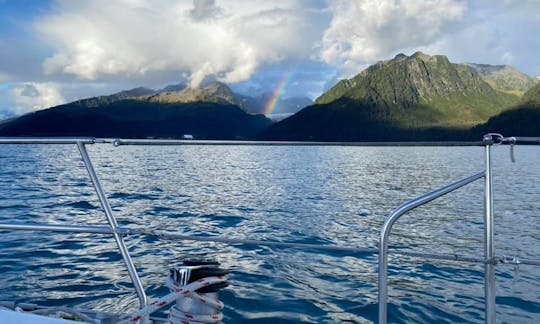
<point x="421" y="56"/>
<point x="504" y="77"/>
<point x="220" y="89"/>
<point x="407" y="80"/>
<point x="400" y="57"/>
<point x="215" y="92"/>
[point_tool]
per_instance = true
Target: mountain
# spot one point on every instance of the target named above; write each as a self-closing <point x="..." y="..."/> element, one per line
<point x="215" y="92"/>
<point x="407" y="97"/>
<point x="139" y="119"/>
<point x="290" y="105"/>
<point x="422" y="90"/>
<point x="521" y="120"/>
<point x="126" y="94"/>
<point x="207" y="113"/>
<point x="220" y="93"/>
<point x="504" y="78"/>
<point x="533" y="95"/>
<point x="293" y="104"/>
<point x="173" y="87"/>
<point x="122" y="95"/>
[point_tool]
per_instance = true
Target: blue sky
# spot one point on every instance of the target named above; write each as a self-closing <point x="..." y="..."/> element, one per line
<point x="56" y="51"/>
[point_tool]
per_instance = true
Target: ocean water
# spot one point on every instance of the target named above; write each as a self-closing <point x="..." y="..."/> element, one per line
<point x="319" y="195"/>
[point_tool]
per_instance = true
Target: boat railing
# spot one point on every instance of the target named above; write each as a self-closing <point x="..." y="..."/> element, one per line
<point x="490" y="260"/>
<point x="389" y="223"/>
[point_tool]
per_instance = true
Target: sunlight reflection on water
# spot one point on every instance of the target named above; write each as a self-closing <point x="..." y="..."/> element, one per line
<point x="321" y="195"/>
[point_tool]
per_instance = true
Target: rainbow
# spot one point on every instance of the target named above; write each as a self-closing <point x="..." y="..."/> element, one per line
<point x="271" y="103"/>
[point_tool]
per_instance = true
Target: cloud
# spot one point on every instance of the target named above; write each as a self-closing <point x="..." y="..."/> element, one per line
<point x="204" y="9"/>
<point x="88" y="48"/>
<point x="495" y="32"/>
<point x="363" y="31"/>
<point x="27" y="97"/>
<point x="228" y="41"/>
<point x="4" y="77"/>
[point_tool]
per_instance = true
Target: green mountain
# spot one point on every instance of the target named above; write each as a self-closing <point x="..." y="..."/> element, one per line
<point x="220" y="93"/>
<point x="208" y="113"/>
<point x="288" y="105"/>
<point x="521" y="120"/>
<point x="215" y="92"/>
<point x="422" y="90"/>
<point x="407" y="97"/>
<point x="504" y="78"/>
<point x="533" y="95"/>
<point x="122" y="95"/>
<point x="139" y="119"/>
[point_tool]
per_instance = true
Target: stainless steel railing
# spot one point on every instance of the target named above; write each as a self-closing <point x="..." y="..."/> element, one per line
<point x="387" y="227"/>
<point x="113" y="224"/>
<point x="489" y="260"/>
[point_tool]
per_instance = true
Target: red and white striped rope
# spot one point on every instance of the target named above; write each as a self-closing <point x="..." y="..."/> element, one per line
<point x="179" y="291"/>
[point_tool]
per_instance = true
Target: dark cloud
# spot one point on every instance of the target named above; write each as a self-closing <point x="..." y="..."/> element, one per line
<point x="205" y="9"/>
<point x="29" y="90"/>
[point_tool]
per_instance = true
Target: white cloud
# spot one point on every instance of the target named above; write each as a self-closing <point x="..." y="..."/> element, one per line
<point x="97" y="47"/>
<point x="495" y="32"/>
<point x="4" y="77"/>
<point x="363" y="31"/>
<point x="228" y="40"/>
<point x="27" y="97"/>
<point x="507" y="57"/>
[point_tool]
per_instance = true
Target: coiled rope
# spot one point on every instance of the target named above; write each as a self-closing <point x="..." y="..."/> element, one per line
<point x="176" y="315"/>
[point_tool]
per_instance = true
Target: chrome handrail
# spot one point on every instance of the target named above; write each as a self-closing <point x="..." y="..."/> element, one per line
<point x="113" y="228"/>
<point x="47" y="140"/>
<point x="490" y="260"/>
<point x="387" y="227"/>
<point x="489" y="250"/>
<point x="165" y="142"/>
<point x="113" y="224"/>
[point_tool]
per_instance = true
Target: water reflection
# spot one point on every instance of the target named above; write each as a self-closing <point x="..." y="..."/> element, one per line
<point x="321" y="195"/>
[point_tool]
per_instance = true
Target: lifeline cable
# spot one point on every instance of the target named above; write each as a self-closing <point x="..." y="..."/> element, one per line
<point x="305" y="246"/>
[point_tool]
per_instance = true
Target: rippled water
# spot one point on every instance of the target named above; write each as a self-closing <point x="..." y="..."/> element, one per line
<point x="320" y="195"/>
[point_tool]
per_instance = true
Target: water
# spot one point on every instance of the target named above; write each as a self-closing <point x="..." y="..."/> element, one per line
<point x="319" y="195"/>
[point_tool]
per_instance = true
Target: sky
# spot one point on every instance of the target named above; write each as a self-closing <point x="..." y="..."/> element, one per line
<point x="58" y="51"/>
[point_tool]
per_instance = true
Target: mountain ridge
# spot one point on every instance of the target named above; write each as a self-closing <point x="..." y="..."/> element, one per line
<point x="213" y="92"/>
<point x="139" y="119"/>
<point x="504" y="77"/>
<point x="420" y="80"/>
<point x="416" y="97"/>
<point x="413" y="96"/>
<point x="520" y="120"/>
<point x="174" y="111"/>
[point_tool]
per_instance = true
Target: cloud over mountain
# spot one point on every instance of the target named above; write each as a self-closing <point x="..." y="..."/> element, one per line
<point x="31" y="96"/>
<point x="87" y="48"/>
<point x="200" y="38"/>
<point x="362" y="32"/>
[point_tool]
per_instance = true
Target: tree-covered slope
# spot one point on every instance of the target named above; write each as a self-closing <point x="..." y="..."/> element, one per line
<point x="135" y="118"/>
<point x="408" y="97"/>
<point x="504" y="78"/>
<point x="521" y="120"/>
<point x="424" y="91"/>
